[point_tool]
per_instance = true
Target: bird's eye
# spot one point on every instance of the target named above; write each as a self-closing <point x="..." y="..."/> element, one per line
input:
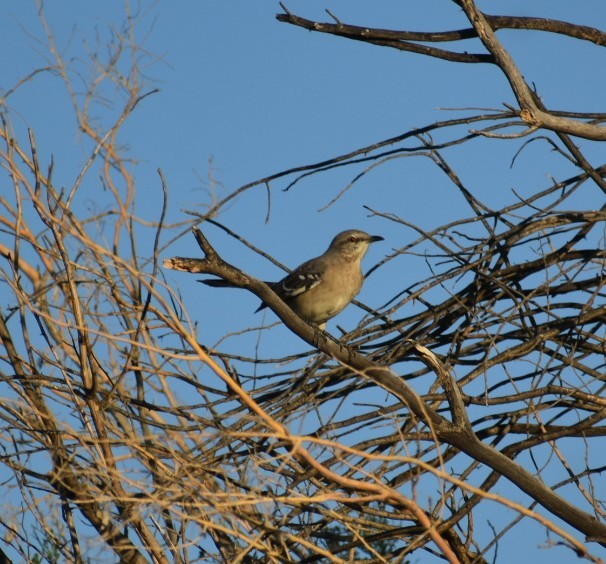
<point x="352" y="239"/>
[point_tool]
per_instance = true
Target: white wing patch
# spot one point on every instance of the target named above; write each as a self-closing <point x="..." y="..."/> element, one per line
<point x="298" y="283"/>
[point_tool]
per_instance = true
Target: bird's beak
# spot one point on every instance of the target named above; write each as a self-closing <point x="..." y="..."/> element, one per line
<point x="375" y="238"/>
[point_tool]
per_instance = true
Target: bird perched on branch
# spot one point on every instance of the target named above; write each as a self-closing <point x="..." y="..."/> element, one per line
<point x="324" y="286"/>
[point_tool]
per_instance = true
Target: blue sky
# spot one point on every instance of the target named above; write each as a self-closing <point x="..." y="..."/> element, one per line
<point x="255" y="96"/>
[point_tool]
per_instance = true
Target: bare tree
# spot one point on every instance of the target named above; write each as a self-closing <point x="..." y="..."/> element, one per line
<point x="488" y="369"/>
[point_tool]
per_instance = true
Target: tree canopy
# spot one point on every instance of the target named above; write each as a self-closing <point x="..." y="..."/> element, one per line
<point x="464" y="406"/>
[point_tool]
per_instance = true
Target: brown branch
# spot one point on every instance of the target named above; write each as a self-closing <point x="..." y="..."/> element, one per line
<point x="62" y="476"/>
<point x="529" y="109"/>
<point x="386" y="38"/>
<point x="497" y="22"/>
<point x="484" y="27"/>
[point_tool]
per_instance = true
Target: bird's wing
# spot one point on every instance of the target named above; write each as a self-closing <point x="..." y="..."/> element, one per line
<point x="301" y="280"/>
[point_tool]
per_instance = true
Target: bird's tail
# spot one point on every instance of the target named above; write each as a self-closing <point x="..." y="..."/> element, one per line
<point x="220" y="283"/>
<point x="217" y="283"/>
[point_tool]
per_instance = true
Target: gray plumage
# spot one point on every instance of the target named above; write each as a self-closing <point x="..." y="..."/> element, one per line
<point x="324" y="286"/>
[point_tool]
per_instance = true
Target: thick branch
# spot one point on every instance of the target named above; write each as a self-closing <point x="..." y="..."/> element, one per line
<point x="530" y="111"/>
<point x="484" y="27"/>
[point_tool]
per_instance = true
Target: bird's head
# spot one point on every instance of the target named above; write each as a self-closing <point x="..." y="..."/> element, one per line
<point x="353" y="243"/>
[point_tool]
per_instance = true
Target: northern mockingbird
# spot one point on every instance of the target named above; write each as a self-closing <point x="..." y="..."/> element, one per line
<point x="324" y="286"/>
